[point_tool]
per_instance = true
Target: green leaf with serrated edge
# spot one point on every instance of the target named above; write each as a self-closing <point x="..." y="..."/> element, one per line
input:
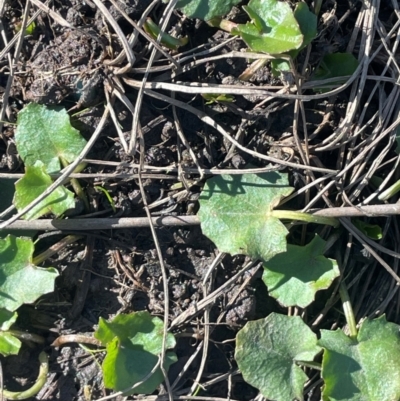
<point x="308" y="26"/>
<point x="206" y="9"/>
<point x="295" y="276"/>
<point x="273" y="28"/>
<point x="47" y="135"/>
<point x="336" y="65"/>
<point x="133" y="343"/>
<point x="362" y="369"/>
<point x="9" y="345"/>
<point x="235" y="213"/>
<point x="34" y="183"/>
<point x="21" y="282"/>
<point x="267" y="352"/>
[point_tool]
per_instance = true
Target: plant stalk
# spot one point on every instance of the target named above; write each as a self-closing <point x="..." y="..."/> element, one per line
<point x="306" y="217"/>
<point x="310" y="364"/>
<point x="40" y="382"/>
<point x="348" y="311"/>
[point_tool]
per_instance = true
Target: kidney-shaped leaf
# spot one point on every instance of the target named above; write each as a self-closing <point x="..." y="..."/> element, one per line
<point x="362" y="369"/>
<point x="235" y="213"/>
<point x="21" y="282"/>
<point x="47" y="135"/>
<point x="34" y="183"/>
<point x="267" y="351"/>
<point x="133" y="343"/>
<point x="295" y="276"/>
<point x="206" y="9"/>
<point x="273" y="28"/>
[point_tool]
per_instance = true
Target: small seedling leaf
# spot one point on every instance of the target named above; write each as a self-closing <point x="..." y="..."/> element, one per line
<point x="273" y="28"/>
<point x="336" y="65"/>
<point x="21" y="282"/>
<point x="47" y="135"/>
<point x="235" y="213"/>
<point x="295" y="276"/>
<point x="269" y="360"/>
<point x="206" y="9"/>
<point x="362" y="369"/>
<point x="34" y="183"/>
<point x="133" y="343"/>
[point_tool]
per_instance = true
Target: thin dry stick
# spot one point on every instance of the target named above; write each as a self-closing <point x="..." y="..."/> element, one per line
<point x="138" y="105"/>
<point x="113" y="223"/>
<point x="363" y="240"/>
<point x="127" y="49"/>
<point x="163" y="271"/>
<point x="208" y="120"/>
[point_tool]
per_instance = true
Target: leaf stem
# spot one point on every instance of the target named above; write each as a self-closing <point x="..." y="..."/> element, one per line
<point x="224" y="24"/>
<point x="77" y="186"/>
<point x="308" y="218"/>
<point x="310" y="364"/>
<point x="40" y="381"/>
<point x="348" y="311"/>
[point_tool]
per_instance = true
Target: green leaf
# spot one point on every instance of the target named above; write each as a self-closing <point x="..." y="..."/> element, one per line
<point x="267" y="353"/>
<point x="308" y="26"/>
<point x="336" y="65"/>
<point x="34" y="183"/>
<point x="235" y="213"/>
<point x="273" y="28"/>
<point x="307" y="22"/>
<point x="133" y="343"/>
<point x="216" y="98"/>
<point x="47" y="135"/>
<point x="9" y="345"/>
<point x="7" y="319"/>
<point x="295" y="276"/>
<point x="166" y="40"/>
<point x="373" y="231"/>
<point x="364" y="369"/>
<point x="206" y="9"/>
<point x="21" y="282"/>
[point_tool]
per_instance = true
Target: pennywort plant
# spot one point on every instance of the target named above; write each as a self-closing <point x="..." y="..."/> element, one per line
<point x="273" y="28"/>
<point x="240" y="214"/>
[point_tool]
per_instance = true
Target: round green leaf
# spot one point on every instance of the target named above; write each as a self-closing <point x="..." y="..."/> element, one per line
<point x="295" y="276"/>
<point x="133" y="343"/>
<point x="206" y="9"/>
<point x="267" y="351"/>
<point x="21" y="282"/>
<point x="364" y="369"/>
<point x="273" y="28"/>
<point x="47" y="135"/>
<point x="34" y="183"/>
<point x="235" y="213"/>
